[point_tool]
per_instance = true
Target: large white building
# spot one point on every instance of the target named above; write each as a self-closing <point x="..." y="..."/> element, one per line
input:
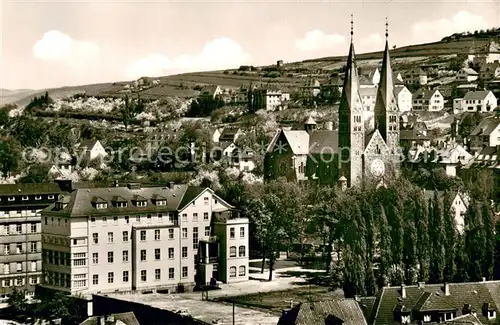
<point x="428" y="100"/>
<point x="135" y="238"/>
<point x="475" y="101"/>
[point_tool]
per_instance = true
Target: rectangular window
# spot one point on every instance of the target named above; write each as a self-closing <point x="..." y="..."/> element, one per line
<point x="24" y="198"/>
<point x="207" y="231"/>
<point x="78" y="262"/>
<point x="125" y="236"/>
<point x="184" y="233"/>
<point x="111" y="277"/>
<point x="143" y="235"/>
<point x="19" y="248"/>
<point x="19" y="228"/>
<point x="157" y="254"/>
<point x="92" y="221"/>
<point x="143" y="275"/>
<point x="195" y="217"/>
<point x="6" y="229"/>
<point x="33" y="227"/>
<point x="110" y="237"/>
<point x="95" y="279"/>
<point x="143" y="255"/>
<point x="138" y="219"/>
<point x="231" y="233"/>
<point x="184" y="271"/>
<point x="157" y="274"/>
<point x="170" y="252"/>
<point x="171" y="272"/>
<point x="184" y="252"/>
<point x="125" y="276"/>
<point x="33" y="247"/>
<point x="6" y="268"/>
<point x="127" y="219"/>
<point x="110" y="257"/>
<point x="33" y="266"/>
<point x="205" y="200"/>
<point x="104" y="220"/>
<point x="232" y="272"/>
<point x="95" y="238"/>
<point x="157" y="234"/>
<point x="170" y="233"/>
<point x="205" y="216"/>
<point x="195" y="237"/>
<point x="242" y="232"/>
<point x="115" y="220"/>
<point x="95" y="258"/>
<point x="242" y="271"/>
<point x="19" y="267"/>
<point x="38" y="197"/>
<point x="125" y="256"/>
<point x="184" y="217"/>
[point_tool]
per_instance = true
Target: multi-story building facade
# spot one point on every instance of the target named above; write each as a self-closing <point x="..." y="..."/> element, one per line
<point x="134" y="238"/>
<point x="20" y="234"/>
<point x="428" y="100"/>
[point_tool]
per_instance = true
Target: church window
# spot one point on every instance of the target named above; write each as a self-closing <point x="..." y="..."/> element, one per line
<point x="377" y="150"/>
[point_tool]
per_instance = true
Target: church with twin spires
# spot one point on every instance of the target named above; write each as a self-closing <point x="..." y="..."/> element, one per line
<point x="353" y="154"/>
<point x="368" y="154"/>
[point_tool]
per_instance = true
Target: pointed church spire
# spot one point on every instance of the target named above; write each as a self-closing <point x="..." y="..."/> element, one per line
<point x="352" y="27"/>
<point x="386" y="109"/>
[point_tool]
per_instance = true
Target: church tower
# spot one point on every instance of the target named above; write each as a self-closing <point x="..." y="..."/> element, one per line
<point x="386" y="108"/>
<point x="351" y="134"/>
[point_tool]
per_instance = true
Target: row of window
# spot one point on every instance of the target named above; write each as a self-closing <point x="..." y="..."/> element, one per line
<point x="143" y="275"/>
<point x="57" y="279"/>
<point x="18" y="282"/>
<point x="241" y="271"/>
<point x="232" y="233"/>
<point x="141" y="203"/>
<point x="19" y="267"/>
<point x="19" y="248"/>
<point x="26" y="198"/>
<point x="171" y="219"/>
<point x="241" y="251"/>
<point x="60" y="258"/>
<point x="18" y="228"/>
<point x="143" y="255"/>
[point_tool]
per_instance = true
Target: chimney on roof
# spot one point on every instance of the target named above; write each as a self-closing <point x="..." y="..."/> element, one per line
<point x="171" y="185"/>
<point x="446" y="289"/>
<point x="403" y="291"/>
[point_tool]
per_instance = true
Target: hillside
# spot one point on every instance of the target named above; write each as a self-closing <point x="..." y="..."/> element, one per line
<point x="291" y="74"/>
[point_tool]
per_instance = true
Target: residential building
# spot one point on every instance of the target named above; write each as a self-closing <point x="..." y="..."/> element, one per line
<point x="139" y="238"/>
<point x="486" y="134"/>
<point x="428" y="303"/>
<point x="459" y="204"/>
<point x="329" y="312"/>
<point x="415" y="76"/>
<point x="20" y="234"/>
<point x="490" y="71"/>
<point x="466" y="75"/>
<point x="92" y="149"/>
<point x="490" y="53"/>
<point x="230" y="134"/>
<point x="487" y="157"/>
<point x="428" y="100"/>
<point x="475" y="101"/>
<point x="211" y="91"/>
<point x="275" y="99"/>
<point x="311" y="88"/>
<point x="403" y="97"/>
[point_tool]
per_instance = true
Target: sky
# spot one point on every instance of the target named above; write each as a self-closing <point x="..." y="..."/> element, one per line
<point x="64" y="43"/>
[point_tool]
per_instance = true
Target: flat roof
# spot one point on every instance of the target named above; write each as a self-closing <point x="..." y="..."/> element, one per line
<point x="206" y="311"/>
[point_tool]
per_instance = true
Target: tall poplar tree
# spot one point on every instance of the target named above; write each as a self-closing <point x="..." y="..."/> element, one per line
<point x="497" y="251"/>
<point x="422" y="230"/>
<point x="474" y="240"/>
<point x="385" y="246"/>
<point x="489" y="238"/>
<point x="410" y="242"/>
<point x="371" y="229"/>
<point x="437" y="239"/>
<point x="451" y="237"/>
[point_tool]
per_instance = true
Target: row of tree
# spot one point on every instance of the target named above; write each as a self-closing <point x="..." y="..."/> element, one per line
<point x="375" y="236"/>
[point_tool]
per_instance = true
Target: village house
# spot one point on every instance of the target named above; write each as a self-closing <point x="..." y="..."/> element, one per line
<point x="415" y="76"/>
<point x="127" y="318"/>
<point x="426" y="303"/>
<point x="475" y="101"/>
<point x="490" y="71"/>
<point x="487" y="54"/>
<point x="403" y="97"/>
<point x="276" y="99"/>
<point x="311" y="88"/>
<point x="466" y="75"/>
<point x="486" y="134"/>
<point x="138" y="238"/>
<point x="428" y="100"/>
<point x="211" y="91"/>
<point x="92" y="149"/>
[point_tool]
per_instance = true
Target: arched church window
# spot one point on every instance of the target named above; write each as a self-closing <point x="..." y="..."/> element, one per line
<point x="377" y="150"/>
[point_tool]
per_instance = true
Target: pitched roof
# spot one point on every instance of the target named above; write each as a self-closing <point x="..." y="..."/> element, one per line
<point x="398" y="89"/>
<point x="29" y="189"/>
<point x="298" y="140"/>
<point x="486" y="126"/>
<point x="81" y="200"/>
<point x="476" y="95"/>
<point x="313" y="313"/>
<point x="228" y="133"/>
<point x="432" y="298"/>
<point x="323" y="142"/>
<point x="469" y="71"/>
<point x="118" y="319"/>
<point x="368" y="92"/>
<point x="209" y="89"/>
<point x="424" y="93"/>
<point x="89" y="144"/>
<point x="310" y="121"/>
<point x="412" y="134"/>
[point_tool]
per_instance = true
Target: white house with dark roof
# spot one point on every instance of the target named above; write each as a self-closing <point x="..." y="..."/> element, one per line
<point x="92" y="149"/>
<point x="476" y="101"/>
<point x="403" y="97"/>
<point x="466" y="75"/>
<point x="486" y="134"/>
<point x="137" y="238"/>
<point x="428" y="100"/>
<point x="415" y="76"/>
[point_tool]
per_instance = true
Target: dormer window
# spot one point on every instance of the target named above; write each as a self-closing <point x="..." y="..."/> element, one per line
<point x="161" y="202"/>
<point x="50" y="197"/>
<point x="141" y="203"/>
<point x="101" y="205"/>
<point x="427" y="318"/>
<point x="24" y="198"/>
<point x="38" y="197"/>
<point x="11" y="198"/>
<point x="121" y="204"/>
